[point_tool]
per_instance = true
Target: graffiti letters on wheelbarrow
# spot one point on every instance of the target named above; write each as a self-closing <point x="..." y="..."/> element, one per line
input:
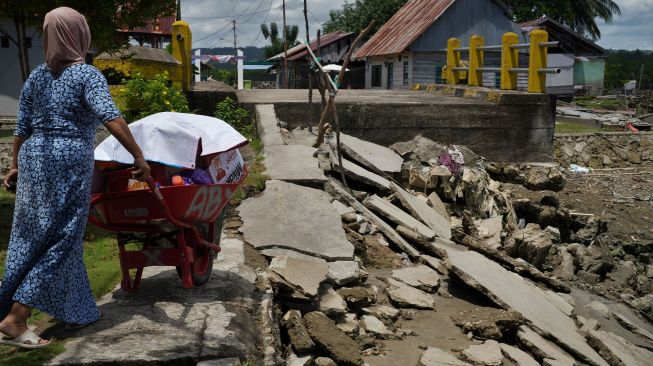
<point x="208" y="202"/>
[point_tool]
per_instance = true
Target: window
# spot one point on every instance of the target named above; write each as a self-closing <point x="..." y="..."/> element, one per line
<point x="4" y="42"/>
<point x="376" y="76"/>
<point x="28" y="42"/>
<point x="405" y="72"/>
<point x="338" y="48"/>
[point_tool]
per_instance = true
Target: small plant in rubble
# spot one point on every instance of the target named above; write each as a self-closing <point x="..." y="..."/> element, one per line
<point x="239" y="118"/>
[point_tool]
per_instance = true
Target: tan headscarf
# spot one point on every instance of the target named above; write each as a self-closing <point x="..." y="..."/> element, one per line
<point x="67" y="38"/>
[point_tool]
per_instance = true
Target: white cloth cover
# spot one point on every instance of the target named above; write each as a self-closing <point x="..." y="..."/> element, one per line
<point x="172" y="138"/>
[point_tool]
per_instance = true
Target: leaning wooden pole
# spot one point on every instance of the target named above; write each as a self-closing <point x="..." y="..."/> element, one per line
<point x="285" y="48"/>
<point x="309" y="115"/>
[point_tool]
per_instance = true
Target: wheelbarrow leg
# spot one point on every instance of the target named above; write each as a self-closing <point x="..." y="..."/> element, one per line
<point x="186" y="260"/>
<point x="127" y="284"/>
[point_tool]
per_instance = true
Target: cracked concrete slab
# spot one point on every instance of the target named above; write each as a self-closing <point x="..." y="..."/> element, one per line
<point x="290" y="216"/>
<point x="164" y="322"/>
<point x="375" y="157"/>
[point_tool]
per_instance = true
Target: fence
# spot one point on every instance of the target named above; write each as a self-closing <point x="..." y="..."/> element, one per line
<point x="509" y="47"/>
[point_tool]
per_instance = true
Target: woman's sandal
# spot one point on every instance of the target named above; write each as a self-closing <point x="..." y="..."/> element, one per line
<point x="28" y="339"/>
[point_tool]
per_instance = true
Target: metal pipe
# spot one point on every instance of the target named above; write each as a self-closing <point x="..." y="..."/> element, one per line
<point x="548" y="70"/>
<point x="461" y="49"/>
<point x="488" y="69"/>
<point x="519" y="69"/>
<point x="520" y="46"/>
<point x="460" y="68"/>
<point x="550" y="44"/>
<point x="489" y="48"/>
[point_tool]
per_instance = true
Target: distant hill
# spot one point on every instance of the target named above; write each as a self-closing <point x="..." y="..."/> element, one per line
<point x="251" y="53"/>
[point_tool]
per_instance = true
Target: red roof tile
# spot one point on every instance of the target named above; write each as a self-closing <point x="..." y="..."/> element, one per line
<point x="161" y="26"/>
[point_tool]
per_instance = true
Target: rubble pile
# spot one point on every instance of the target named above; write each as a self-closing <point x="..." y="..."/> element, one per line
<point x="604" y="150"/>
<point x="428" y="222"/>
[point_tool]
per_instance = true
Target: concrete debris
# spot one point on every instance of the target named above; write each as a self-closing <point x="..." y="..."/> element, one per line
<point x="420" y="276"/>
<point x="373" y="325"/>
<point x="405" y="296"/>
<point x="630" y="325"/>
<point x="413" y="236"/>
<point x="348" y="323"/>
<point x="297" y="218"/>
<point x="541" y="347"/>
<point x="299" y="338"/>
<point x="437" y="357"/>
<point x="335" y="188"/>
<point x="360" y="174"/>
<point x="342" y="209"/>
<point x="423" y="212"/>
<point x="489" y="231"/>
<point x="279" y="252"/>
<point x="554" y="233"/>
<point x="398" y="216"/>
<point x="332" y="304"/>
<point x="531" y="244"/>
<point x="513" y="292"/>
<point x="589" y="325"/>
<point x="534" y="176"/>
<point x="437" y="204"/>
<point x="486" y="354"/>
<point x="357" y="297"/>
<point x="325" y="361"/>
<point x="294" y="360"/>
<point x="618" y="351"/>
<point x="376" y="158"/>
<point x="550" y="362"/>
<point x="282" y="162"/>
<point x="434" y="263"/>
<point x="382" y="312"/>
<point x="331" y="340"/>
<point x="343" y="272"/>
<point x="488" y="323"/>
<point x="303" y="276"/>
<point x="600" y="308"/>
<point x="517" y="356"/>
<point x="566" y="269"/>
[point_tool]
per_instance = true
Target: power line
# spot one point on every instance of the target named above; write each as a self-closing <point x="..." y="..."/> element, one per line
<point x="264" y="20"/>
<point x="314" y="17"/>
<point x="256" y="12"/>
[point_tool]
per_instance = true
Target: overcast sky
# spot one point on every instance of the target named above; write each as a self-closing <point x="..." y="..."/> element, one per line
<point x="211" y="25"/>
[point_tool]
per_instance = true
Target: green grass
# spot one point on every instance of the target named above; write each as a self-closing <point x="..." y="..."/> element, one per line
<point x="595" y="103"/>
<point x="6" y="134"/>
<point x="564" y="127"/>
<point x="101" y="259"/>
<point x="254" y="182"/>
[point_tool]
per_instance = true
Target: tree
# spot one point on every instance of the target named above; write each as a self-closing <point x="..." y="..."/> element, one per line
<point x="579" y="15"/>
<point x="103" y="17"/>
<point x="276" y="42"/>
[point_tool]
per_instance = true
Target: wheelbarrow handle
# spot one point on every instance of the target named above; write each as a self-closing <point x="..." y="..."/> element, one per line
<point x="164" y="206"/>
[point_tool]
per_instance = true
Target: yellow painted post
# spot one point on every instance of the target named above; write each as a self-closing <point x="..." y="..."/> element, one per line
<point x="453" y="60"/>
<point x="181" y="48"/>
<point x="509" y="60"/>
<point x="475" y="61"/>
<point x="537" y="61"/>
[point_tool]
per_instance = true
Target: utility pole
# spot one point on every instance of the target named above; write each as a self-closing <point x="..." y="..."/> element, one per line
<point x="309" y="120"/>
<point x="285" y="48"/>
<point x="235" y="54"/>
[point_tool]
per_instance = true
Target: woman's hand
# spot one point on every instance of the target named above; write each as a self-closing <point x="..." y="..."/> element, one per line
<point x="142" y="169"/>
<point x="9" y="180"/>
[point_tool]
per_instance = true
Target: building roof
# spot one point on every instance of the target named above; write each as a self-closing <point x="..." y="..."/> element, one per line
<point x="159" y="26"/>
<point x="300" y="51"/>
<point x="413" y="19"/>
<point x="139" y="53"/>
<point x="571" y="41"/>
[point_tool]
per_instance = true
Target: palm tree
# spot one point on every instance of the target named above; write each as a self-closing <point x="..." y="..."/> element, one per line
<point x="276" y="42"/>
<point x="579" y="15"/>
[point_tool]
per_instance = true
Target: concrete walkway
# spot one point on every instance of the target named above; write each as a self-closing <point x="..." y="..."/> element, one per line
<point x="165" y="323"/>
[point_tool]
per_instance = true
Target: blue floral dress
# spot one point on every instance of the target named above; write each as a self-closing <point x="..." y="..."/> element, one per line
<point x="58" y="114"/>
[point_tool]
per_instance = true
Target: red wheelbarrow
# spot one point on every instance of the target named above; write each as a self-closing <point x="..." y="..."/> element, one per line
<point x="176" y="226"/>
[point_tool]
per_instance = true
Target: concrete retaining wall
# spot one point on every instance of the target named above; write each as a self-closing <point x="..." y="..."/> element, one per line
<point x="500" y="126"/>
<point x="605" y="149"/>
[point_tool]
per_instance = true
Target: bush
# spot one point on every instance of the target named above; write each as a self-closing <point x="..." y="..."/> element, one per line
<point x="239" y="118"/>
<point x="113" y="76"/>
<point x="142" y="97"/>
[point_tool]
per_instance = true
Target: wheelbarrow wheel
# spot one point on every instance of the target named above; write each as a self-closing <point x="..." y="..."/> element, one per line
<point x="202" y="268"/>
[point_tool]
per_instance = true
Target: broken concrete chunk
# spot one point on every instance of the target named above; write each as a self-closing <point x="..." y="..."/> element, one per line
<point x="360" y="174"/>
<point x="600" y="308"/>
<point x="375" y="157"/>
<point x="332" y="304"/>
<point x="532" y="244"/>
<point x="423" y="212"/>
<point x="343" y="272"/>
<point x="437" y="204"/>
<point x="540" y="347"/>
<point x="434" y="263"/>
<point x="348" y="323"/>
<point x="550" y="362"/>
<point x="490" y="231"/>
<point x="398" y="216"/>
<point x="405" y="296"/>
<point x="297" y="218"/>
<point x="517" y="356"/>
<point x="559" y="302"/>
<point x="486" y="354"/>
<point x="488" y="323"/>
<point x="324" y="361"/>
<point x="413" y="235"/>
<point x="512" y="291"/>
<point x="278" y="252"/>
<point x="373" y="325"/>
<point x="437" y="357"/>
<point x="357" y="297"/>
<point x="341" y="208"/>
<point x="294" y="360"/>
<point x="382" y="312"/>
<point x="420" y="276"/>
<point x="334" y="342"/>
<point x="554" y="233"/>
<point x="566" y="269"/>
<point x="618" y="351"/>
<point x="630" y="325"/>
<point x="590" y="325"/>
<point x="299" y="338"/>
<point x="304" y="276"/>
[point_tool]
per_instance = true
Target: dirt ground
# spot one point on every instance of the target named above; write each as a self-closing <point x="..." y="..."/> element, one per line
<point x="623" y="197"/>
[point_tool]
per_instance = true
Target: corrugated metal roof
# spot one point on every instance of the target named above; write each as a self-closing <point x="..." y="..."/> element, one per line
<point x="571" y="40"/>
<point x="162" y="26"/>
<point x="404" y="27"/>
<point x="407" y="25"/>
<point x="299" y="51"/>
<point x="140" y="53"/>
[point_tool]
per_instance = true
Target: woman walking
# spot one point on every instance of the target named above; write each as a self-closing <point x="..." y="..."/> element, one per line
<point x="61" y="104"/>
